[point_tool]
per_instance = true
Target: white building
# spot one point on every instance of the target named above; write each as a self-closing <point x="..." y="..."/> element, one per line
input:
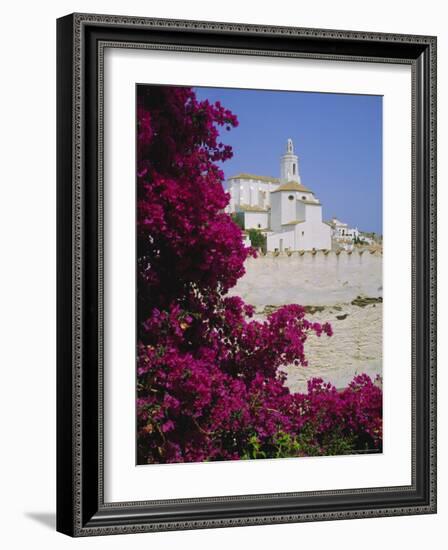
<point x="285" y="210"/>
<point x="343" y="236"/>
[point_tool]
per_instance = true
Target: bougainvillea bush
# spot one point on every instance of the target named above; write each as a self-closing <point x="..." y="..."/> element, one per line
<point x="209" y="386"/>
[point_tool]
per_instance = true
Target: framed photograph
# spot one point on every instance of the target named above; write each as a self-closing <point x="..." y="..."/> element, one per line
<point x="246" y="274"/>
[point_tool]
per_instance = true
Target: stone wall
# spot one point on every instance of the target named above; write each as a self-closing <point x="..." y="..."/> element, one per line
<point x="311" y="278"/>
<point x="354" y="348"/>
<point x="344" y="289"/>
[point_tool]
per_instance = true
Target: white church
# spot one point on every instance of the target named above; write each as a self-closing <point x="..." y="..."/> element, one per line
<point x="286" y="211"/>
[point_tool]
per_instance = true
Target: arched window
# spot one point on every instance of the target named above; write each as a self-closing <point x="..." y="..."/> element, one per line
<point x="291" y="197"/>
<point x="294" y="169"/>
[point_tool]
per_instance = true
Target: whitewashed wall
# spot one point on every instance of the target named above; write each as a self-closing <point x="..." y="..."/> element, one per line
<point x="251" y="192"/>
<point x="288" y="213"/>
<point x="313" y="213"/>
<point x="313" y="234"/>
<point x="256" y="220"/>
<point x="276" y="220"/>
<point x="282" y="240"/>
<point x="309" y="279"/>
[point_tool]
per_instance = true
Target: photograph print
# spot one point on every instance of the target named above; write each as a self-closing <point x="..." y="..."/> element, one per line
<point x="259" y="274"/>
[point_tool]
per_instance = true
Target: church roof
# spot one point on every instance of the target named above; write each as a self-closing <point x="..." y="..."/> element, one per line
<point x="254" y="177"/>
<point x="292" y="186"/>
<point x="249" y="208"/>
<point x="314" y="203"/>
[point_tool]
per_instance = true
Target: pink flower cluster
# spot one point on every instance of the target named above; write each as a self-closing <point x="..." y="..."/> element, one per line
<point x="209" y="383"/>
<point x="184" y="238"/>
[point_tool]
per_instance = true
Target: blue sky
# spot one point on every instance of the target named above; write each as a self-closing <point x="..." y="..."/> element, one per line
<point x="337" y="137"/>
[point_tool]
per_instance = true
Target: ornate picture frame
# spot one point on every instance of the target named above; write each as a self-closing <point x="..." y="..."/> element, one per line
<point x="81" y="506"/>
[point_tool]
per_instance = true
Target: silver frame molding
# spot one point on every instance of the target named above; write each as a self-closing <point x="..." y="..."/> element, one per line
<point x="82" y="39"/>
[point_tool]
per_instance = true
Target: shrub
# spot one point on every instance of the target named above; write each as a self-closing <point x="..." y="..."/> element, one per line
<point x="257" y="239"/>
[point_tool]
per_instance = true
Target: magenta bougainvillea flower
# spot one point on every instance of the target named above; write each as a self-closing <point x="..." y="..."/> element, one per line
<point x="208" y="379"/>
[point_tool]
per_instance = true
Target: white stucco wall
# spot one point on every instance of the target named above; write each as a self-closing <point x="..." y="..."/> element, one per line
<point x="310" y="279"/>
<point x="303" y="236"/>
<point x="300" y="210"/>
<point x="313" y="234"/>
<point x="313" y="213"/>
<point x="276" y="219"/>
<point x="305" y="196"/>
<point x="249" y="192"/>
<point x="281" y="240"/>
<point x="256" y="220"/>
<point x="288" y="207"/>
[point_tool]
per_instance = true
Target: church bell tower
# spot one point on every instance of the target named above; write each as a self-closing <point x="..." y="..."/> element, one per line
<point x="289" y="164"/>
